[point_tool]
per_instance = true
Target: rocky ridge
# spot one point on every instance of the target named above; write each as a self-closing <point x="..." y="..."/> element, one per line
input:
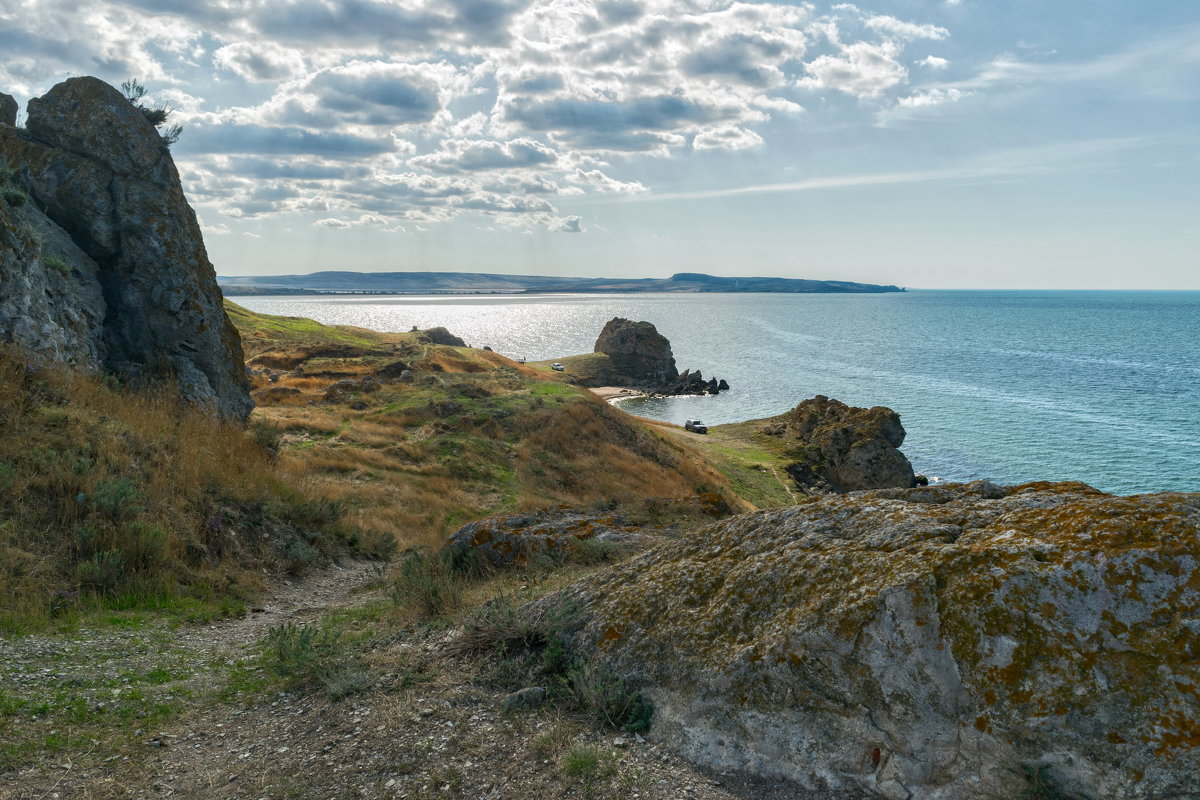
<point x="641" y="358"/>
<point x="102" y="263"/>
<point x="839" y="448"/>
<point x="924" y="642"/>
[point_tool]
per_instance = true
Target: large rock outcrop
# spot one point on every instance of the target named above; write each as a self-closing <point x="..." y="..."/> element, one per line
<point x="836" y="447"/>
<point x="929" y="643"/>
<point x="108" y="231"/>
<point x="641" y="358"/>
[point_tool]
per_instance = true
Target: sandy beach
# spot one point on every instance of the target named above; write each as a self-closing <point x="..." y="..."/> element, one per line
<point x="613" y="393"/>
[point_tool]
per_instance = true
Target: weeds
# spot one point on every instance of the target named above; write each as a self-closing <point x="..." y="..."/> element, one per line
<point x="589" y="764"/>
<point x="431" y="584"/>
<point x="607" y="699"/>
<point x="308" y="656"/>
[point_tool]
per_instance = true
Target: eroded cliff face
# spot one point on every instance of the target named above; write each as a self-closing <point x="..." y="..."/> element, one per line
<point x="923" y="643"/>
<point x="641" y="357"/>
<point x="109" y="232"/>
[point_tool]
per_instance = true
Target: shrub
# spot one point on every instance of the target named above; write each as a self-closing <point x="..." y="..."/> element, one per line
<point x="607" y="699"/>
<point x="135" y="93"/>
<point x="103" y="573"/>
<point x="119" y="499"/>
<point x="429" y="584"/>
<point x="316" y="658"/>
<point x="587" y="763"/>
<point x="13" y="196"/>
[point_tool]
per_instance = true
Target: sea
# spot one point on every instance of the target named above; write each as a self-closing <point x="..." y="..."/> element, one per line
<point x="1012" y="386"/>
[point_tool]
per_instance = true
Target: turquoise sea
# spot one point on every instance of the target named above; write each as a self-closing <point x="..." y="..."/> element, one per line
<point x="1102" y="387"/>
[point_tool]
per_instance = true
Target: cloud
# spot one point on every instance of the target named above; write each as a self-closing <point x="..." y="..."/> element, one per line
<point x="365" y="93"/>
<point x="863" y="70"/>
<point x="905" y="31"/>
<point x="235" y="138"/>
<point x="565" y="224"/>
<point x="931" y="97"/>
<point x="461" y="155"/>
<point x="726" y="138"/>
<point x="932" y="62"/>
<point x="260" y="61"/>
<point x="601" y="182"/>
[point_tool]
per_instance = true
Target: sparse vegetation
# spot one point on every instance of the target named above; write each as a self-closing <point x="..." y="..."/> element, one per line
<point x="57" y="265"/>
<point x="158" y="115"/>
<point x="589" y="764"/>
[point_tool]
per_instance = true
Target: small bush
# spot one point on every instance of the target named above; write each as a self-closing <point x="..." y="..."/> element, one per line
<point x="119" y="499"/>
<point x="377" y="545"/>
<point x="588" y="764"/>
<point x="266" y="435"/>
<point x="429" y="584"/>
<point x="103" y="573"/>
<point x="607" y="699"/>
<point x="319" y="658"/>
<point x="13" y="196"/>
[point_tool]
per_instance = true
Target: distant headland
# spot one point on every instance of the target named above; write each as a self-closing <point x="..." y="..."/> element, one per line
<point x="339" y="282"/>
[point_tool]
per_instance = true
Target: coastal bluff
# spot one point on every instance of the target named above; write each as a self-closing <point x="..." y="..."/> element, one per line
<point x="102" y="262"/>
<point x="939" y="642"/>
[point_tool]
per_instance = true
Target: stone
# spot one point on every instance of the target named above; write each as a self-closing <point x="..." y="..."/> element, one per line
<point x="440" y="335"/>
<point x="841" y="448"/>
<point x="98" y="174"/>
<point x="529" y="697"/>
<point x="508" y="539"/>
<point x="8" y="110"/>
<point x="638" y="351"/>
<point x="921" y="643"/>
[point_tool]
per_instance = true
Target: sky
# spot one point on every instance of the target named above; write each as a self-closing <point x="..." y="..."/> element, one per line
<point x="925" y="143"/>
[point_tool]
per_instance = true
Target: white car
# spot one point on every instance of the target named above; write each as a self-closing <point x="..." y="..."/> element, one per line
<point x="557" y="367"/>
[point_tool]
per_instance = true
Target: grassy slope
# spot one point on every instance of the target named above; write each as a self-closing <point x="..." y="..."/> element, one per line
<point x="116" y="499"/>
<point x="472" y="434"/>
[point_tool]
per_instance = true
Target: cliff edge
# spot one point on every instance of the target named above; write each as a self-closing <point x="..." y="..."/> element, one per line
<point x="102" y="264"/>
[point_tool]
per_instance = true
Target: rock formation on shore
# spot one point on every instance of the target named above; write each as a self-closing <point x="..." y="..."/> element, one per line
<point x="839" y="448"/>
<point x="927" y="642"/>
<point x="641" y="358"/>
<point x="102" y="264"/>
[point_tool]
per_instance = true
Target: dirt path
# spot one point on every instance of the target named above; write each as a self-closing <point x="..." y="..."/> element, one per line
<point x="430" y="727"/>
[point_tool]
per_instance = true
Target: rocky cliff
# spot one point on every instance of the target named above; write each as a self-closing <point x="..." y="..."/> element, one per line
<point x="102" y="264"/>
<point x="923" y="643"/>
<point x="641" y="358"/>
<point x="836" y="447"/>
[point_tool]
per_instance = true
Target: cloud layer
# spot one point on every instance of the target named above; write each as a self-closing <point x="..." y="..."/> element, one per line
<point x="397" y="113"/>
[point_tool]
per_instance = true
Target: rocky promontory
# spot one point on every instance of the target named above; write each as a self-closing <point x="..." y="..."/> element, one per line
<point x="943" y="642"/>
<point x="102" y="263"/>
<point x="639" y="357"/>
<point x="835" y="447"/>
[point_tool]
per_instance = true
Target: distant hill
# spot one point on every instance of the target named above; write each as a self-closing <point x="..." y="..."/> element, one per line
<point x="486" y="283"/>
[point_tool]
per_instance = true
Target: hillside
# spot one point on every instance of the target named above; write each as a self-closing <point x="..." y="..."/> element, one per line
<point x="486" y="283"/>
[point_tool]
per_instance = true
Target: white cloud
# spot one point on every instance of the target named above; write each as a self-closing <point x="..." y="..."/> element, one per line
<point x="905" y="31"/>
<point x="260" y="61"/>
<point x="727" y="138"/>
<point x="863" y="70"/>
<point x="931" y="97"/>
<point x="932" y="62"/>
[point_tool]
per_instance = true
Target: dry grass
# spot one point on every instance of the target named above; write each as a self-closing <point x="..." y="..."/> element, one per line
<point x="129" y="498"/>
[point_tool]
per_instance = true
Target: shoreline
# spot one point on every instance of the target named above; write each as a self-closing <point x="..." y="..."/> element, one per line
<point x="615" y="394"/>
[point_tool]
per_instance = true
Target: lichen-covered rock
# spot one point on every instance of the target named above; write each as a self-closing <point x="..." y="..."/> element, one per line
<point x="50" y="298"/>
<point x="440" y="335"/>
<point x="843" y="449"/>
<point x="97" y="169"/>
<point x="8" y="109"/>
<point x="923" y="643"/>
<point x="510" y="539"/>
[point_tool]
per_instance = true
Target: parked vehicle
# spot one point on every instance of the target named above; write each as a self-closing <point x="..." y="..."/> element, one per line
<point x="557" y="367"/>
<point x="695" y="426"/>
